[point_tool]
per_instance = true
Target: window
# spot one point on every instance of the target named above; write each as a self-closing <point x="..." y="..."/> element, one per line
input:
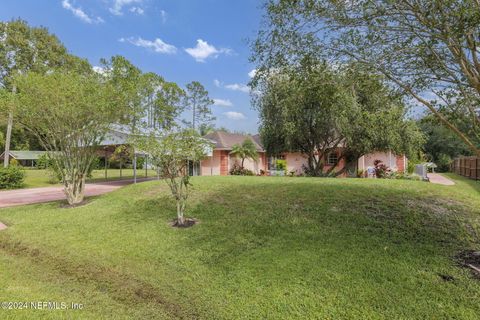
<point x="332" y="159"/>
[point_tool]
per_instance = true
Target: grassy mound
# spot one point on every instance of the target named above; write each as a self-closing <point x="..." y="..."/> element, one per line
<point x="267" y="248"/>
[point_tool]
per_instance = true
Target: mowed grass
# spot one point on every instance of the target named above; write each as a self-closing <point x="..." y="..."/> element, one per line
<point x="266" y="248"/>
<point x="41" y="178"/>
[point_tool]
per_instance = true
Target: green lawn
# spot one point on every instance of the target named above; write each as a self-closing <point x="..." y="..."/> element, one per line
<point x="41" y="178"/>
<point x="266" y="248"/>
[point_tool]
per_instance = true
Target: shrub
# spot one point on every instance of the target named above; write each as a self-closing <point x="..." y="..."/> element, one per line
<point x="11" y="177"/>
<point x="44" y="162"/>
<point x="381" y="169"/>
<point x="405" y="176"/>
<point x="443" y="162"/>
<point x="281" y="164"/>
<point x="239" y="171"/>
<point x="14" y="163"/>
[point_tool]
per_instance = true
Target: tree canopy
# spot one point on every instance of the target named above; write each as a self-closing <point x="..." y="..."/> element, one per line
<point x="315" y="109"/>
<point x="70" y="114"/>
<point x="428" y="50"/>
<point x="198" y="101"/>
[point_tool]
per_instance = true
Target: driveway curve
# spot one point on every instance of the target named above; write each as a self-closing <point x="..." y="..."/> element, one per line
<point x="20" y="197"/>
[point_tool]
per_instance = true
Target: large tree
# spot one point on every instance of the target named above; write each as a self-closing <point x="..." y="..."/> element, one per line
<point x="441" y="145"/>
<point x="199" y="103"/>
<point x="316" y="109"/>
<point x="24" y="48"/>
<point x="168" y="105"/>
<point x="70" y="114"/>
<point x="427" y="49"/>
<point x="303" y="109"/>
<point x="132" y="86"/>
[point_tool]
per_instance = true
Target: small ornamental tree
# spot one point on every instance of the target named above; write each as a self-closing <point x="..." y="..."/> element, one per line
<point x="170" y="153"/>
<point x="69" y="114"/>
<point x="246" y="150"/>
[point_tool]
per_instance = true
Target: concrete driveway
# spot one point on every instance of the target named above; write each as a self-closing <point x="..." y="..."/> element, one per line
<point x="20" y="197"/>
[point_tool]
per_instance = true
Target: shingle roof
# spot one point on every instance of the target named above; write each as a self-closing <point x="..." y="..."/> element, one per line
<point x="226" y="140"/>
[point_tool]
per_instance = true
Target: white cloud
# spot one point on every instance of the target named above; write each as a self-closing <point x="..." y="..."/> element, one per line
<point x="137" y="10"/>
<point x="222" y="103"/>
<point x="117" y="6"/>
<point x="238" y="87"/>
<point x="232" y="115"/>
<point x="157" y="45"/>
<point x="217" y="83"/>
<point x="203" y="50"/>
<point x="79" y="13"/>
<point x="252" y="73"/>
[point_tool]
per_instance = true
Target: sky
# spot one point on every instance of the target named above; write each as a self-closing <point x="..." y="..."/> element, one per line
<point x="181" y="40"/>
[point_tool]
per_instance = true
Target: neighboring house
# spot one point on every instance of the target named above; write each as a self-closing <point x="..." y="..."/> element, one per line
<point x="221" y="161"/>
<point x="25" y="158"/>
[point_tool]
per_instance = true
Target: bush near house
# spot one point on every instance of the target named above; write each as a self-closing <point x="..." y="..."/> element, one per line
<point x="11" y="177"/>
<point x="238" y="170"/>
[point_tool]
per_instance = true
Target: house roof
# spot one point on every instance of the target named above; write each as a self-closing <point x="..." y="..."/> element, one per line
<point x="25" y="155"/>
<point x="226" y="140"/>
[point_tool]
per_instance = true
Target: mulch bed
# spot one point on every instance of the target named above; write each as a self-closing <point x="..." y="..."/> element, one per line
<point x="189" y="222"/>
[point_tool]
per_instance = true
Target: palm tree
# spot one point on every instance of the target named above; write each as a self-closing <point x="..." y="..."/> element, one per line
<point x="246" y="150"/>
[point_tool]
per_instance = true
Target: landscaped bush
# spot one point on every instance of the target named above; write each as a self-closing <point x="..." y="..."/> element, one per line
<point x="381" y="169"/>
<point x="237" y="170"/>
<point x="405" y="176"/>
<point x="44" y="162"/>
<point x="443" y="163"/>
<point x="11" y="177"/>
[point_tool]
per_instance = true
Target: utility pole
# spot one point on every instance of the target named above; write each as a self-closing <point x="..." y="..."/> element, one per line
<point x="6" y="156"/>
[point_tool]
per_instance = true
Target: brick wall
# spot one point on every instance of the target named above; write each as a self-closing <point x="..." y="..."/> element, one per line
<point x="223" y="163"/>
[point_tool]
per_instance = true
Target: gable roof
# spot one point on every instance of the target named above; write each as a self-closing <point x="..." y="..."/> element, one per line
<point x="226" y="140"/>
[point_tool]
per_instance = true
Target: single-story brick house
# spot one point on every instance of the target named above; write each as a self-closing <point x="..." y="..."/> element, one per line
<point x="221" y="161"/>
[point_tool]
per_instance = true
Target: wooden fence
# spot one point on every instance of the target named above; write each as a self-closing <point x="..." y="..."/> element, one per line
<point x="467" y="166"/>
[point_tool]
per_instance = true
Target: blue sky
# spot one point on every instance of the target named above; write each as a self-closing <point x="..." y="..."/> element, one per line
<point x="181" y="40"/>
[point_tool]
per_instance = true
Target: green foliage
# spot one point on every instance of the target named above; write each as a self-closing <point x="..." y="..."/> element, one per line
<point x="11" y="177"/>
<point x="443" y="162"/>
<point x="69" y="113"/>
<point x="267" y="244"/>
<point x="237" y="170"/>
<point x="198" y="101"/>
<point x="246" y="150"/>
<point x="44" y="162"/>
<point x="442" y="145"/>
<point x="171" y="153"/>
<point x="315" y="108"/>
<point x="423" y="48"/>
<point x="281" y="164"/>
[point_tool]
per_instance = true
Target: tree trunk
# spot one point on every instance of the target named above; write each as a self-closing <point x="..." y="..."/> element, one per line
<point x="243" y="160"/>
<point x="6" y="158"/>
<point x="74" y="190"/>
<point x="180" y="213"/>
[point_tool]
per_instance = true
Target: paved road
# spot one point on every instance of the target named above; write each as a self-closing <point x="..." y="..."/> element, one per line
<point x="19" y="197"/>
<point x="439" y="179"/>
